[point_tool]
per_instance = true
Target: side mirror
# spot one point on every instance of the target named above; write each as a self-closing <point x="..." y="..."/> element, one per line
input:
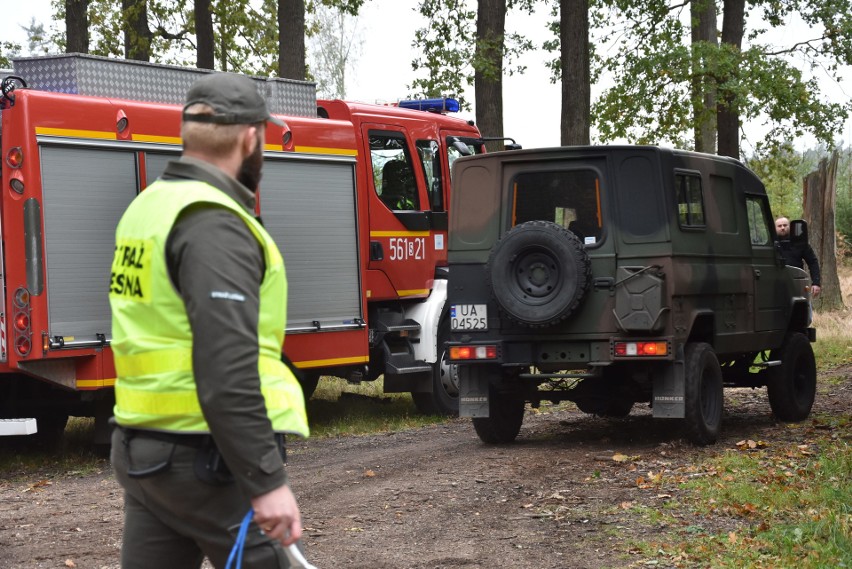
<point x="460" y="146"/>
<point x="799" y="230"/>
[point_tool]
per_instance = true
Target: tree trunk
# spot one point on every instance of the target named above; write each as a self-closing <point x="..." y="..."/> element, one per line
<point x="137" y="34"/>
<point x="291" y="39"/>
<point x="76" y="26"/>
<point x="205" y="53"/>
<point x="488" y="68"/>
<point x="576" y="82"/>
<point x="820" y="191"/>
<point x="727" y="115"/>
<point x="703" y="84"/>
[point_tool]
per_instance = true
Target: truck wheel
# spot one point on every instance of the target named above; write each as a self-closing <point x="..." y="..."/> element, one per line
<point x="792" y="385"/>
<point x="538" y="273"/>
<point x="506" y="412"/>
<point x="309" y="381"/>
<point x="444" y="398"/>
<point x="704" y="398"/>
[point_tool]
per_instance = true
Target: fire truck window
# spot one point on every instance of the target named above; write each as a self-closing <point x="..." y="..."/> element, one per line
<point x="568" y="198"/>
<point x="430" y="159"/>
<point x="393" y="171"/>
<point x="453" y="153"/>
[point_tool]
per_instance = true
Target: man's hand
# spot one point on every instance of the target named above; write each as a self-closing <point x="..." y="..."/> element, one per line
<point x="815" y="290"/>
<point x="277" y="514"/>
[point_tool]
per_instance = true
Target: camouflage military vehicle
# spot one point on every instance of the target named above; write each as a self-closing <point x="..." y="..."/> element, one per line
<point x="616" y="275"/>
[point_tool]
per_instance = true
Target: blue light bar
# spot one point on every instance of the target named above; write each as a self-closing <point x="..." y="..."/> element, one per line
<point x="439" y="105"/>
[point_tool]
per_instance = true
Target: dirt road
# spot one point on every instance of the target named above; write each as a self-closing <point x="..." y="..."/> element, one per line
<point x="435" y="497"/>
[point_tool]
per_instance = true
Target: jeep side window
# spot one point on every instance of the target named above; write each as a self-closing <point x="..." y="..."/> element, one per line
<point x="758" y="221"/>
<point x="393" y="171"/>
<point x="430" y="159"/>
<point x="568" y="198"/>
<point x="690" y="202"/>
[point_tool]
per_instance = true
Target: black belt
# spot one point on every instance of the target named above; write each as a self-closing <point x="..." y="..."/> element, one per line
<point x="194" y="440"/>
<point x="188" y="439"/>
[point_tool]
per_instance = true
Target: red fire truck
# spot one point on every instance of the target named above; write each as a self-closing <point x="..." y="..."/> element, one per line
<point x="355" y="195"/>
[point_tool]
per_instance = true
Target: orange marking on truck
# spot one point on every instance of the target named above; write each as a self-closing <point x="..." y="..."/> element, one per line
<point x="74" y="132"/>
<point x="321" y="150"/>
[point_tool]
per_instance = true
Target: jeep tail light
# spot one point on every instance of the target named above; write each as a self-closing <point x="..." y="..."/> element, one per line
<point x="21" y="322"/>
<point x="473" y="352"/>
<point x="640" y="349"/>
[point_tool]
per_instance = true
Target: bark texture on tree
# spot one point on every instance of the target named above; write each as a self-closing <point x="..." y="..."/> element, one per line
<point x="703" y="83"/>
<point x="205" y="54"/>
<point x="76" y="26"/>
<point x="291" y="39"/>
<point x="727" y="115"/>
<point x="488" y="69"/>
<point x="576" y="82"/>
<point x="137" y="34"/>
<point x="820" y="194"/>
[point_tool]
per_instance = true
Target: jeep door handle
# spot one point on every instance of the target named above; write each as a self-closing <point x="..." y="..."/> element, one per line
<point x="757" y="273"/>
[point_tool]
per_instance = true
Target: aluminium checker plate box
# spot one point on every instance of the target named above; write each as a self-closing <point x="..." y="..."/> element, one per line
<point x="152" y="82"/>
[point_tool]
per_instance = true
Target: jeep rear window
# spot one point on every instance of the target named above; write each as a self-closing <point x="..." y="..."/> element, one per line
<point x="690" y="201"/>
<point x="568" y="198"/>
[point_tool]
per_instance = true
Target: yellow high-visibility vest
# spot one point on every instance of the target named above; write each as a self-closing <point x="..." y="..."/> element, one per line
<point x="151" y="337"/>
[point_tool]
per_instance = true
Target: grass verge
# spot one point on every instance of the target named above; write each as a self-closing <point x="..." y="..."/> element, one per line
<point x="339" y="409"/>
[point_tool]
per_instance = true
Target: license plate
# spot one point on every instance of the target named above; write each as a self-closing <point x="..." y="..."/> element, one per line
<point x="469" y="317"/>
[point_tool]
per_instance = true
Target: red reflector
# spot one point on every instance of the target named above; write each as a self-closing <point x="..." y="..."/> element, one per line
<point x="23" y="345"/>
<point x="640" y="348"/>
<point x="22" y="321"/>
<point x="15" y="157"/>
<point x="473" y="352"/>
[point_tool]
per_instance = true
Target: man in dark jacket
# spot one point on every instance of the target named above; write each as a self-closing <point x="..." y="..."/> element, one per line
<point x="198" y="295"/>
<point x="797" y="253"/>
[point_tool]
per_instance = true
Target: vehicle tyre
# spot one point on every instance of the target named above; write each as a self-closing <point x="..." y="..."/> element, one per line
<point x="618" y="407"/>
<point x="538" y="273"/>
<point x="704" y="398"/>
<point x="444" y="398"/>
<point x="506" y="411"/>
<point x="309" y="381"/>
<point x="792" y="385"/>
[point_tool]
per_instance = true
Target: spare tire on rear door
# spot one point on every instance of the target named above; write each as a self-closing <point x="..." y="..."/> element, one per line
<point x="538" y="273"/>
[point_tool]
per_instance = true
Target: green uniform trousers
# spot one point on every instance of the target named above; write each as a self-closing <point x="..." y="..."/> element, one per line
<point x="172" y="520"/>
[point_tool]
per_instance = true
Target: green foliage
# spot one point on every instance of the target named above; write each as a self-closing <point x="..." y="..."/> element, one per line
<point x="8" y="50"/>
<point x="651" y="61"/>
<point x="779" y="167"/>
<point x="783" y="170"/>
<point x="449" y="51"/>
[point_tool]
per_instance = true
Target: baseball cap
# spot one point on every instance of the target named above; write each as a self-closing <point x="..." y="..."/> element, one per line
<point x="233" y="98"/>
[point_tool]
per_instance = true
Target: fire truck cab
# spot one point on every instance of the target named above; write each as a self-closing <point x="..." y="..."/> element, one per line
<point x="355" y="196"/>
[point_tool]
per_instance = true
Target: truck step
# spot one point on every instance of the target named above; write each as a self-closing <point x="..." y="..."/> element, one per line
<point x="17" y="427"/>
<point x="407" y="324"/>
<point x="405" y="363"/>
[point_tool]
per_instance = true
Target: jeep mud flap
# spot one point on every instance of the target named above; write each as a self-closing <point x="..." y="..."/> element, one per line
<point x="668" y="401"/>
<point x="473" y="392"/>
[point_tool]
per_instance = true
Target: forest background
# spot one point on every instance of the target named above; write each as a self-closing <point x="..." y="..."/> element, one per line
<point x="668" y="72"/>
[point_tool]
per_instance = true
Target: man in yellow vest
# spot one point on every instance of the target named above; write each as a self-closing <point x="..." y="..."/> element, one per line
<point x="198" y="295"/>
